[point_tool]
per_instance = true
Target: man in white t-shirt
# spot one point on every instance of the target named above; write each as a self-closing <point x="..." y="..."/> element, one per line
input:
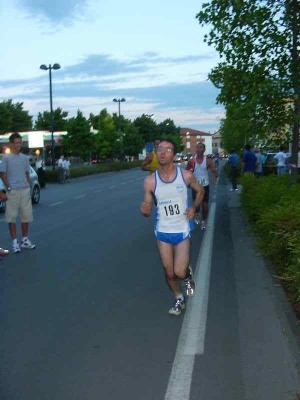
<point x="66" y="166"/>
<point x="60" y="162"/>
<point x="281" y="161"/>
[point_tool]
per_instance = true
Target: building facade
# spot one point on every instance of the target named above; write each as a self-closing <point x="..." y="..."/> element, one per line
<point x="190" y="138"/>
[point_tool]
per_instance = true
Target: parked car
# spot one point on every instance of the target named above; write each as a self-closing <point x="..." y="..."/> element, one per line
<point x="178" y="158"/>
<point x="188" y="156"/>
<point x="34" y="186"/>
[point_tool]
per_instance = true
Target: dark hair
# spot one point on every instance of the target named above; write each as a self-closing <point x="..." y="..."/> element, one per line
<point x="248" y="147"/>
<point x="14" y="136"/>
<point x="169" y="141"/>
<point x="281" y="148"/>
<point x="202" y="144"/>
<point x="232" y="151"/>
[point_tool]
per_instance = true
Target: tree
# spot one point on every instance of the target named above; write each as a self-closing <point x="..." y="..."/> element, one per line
<point x="106" y="140"/>
<point x="132" y="141"/>
<point x="147" y="128"/>
<point x="43" y="121"/>
<point x="13" y="118"/>
<point x="78" y="141"/>
<point x="258" y="41"/>
<point x="168" y="130"/>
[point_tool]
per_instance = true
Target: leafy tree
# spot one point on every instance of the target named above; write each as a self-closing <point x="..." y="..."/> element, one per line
<point x="132" y="142"/>
<point x="13" y="118"/>
<point x="147" y="128"/>
<point x="78" y="141"/>
<point x="257" y="41"/>
<point x="43" y="121"/>
<point x="106" y="140"/>
<point x="168" y="130"/>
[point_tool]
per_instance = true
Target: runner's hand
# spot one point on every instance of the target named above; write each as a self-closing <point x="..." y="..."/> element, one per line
<point x="190" y="212"/>
<point x="146" y="209"/>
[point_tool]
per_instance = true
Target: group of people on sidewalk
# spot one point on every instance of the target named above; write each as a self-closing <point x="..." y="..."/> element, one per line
<point x="253" y="162"/>
<point x="166" y="188"/>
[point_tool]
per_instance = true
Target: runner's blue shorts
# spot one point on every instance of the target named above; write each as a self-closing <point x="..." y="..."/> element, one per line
<point x="172" y="238"/>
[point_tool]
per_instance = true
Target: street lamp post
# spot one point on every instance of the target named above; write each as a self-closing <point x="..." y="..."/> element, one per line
<point x="150" y="127"/>
<point x="119" y="121"/>
<point x="50" y="68"/>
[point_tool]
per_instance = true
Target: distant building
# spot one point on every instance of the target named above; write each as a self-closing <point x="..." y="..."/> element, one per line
<point x="190" y="138"/>
<point x="217" y="143"/>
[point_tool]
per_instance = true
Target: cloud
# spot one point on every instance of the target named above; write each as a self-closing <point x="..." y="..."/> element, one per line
<point x="56" y="11"/>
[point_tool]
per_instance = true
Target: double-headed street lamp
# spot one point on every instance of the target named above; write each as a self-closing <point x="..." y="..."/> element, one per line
<point x="50" y="68"/>
<point x="119" y="101"/>
<point x="119" y="121"/>
<point x="150" y="127"/>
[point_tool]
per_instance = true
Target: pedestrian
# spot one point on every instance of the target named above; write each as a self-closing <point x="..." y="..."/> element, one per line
<point x="259" y="164"/>
<point x="174" y="220"/>
<point x="151" y="162"/>
<point x="233" y="162"/>
<point x="3" y="252"/>
<point x="249" y="160"/>
<point x="281" y="161"/>
<point x="66" y="167"/>
<point x="15" y="174"/>
<point x="60" y="162"/>
<point x="199" y="165"/>
<point x="40" y="168"/>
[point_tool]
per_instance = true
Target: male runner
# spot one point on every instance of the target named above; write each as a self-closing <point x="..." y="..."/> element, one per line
<point x="173" y="220"/>
<point x="199" y="165"/>
<point x="151" y="163"/>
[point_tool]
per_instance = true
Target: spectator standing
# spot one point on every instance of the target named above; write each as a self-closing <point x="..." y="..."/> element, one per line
<point x="259" y="165"/>
<point x="15" y="174"/>
<point x="249" y="160"/>
<point x="66" y="166"/>
<point x="233" y="162"/>
<point x="39" y="165"/>
<point x="281" y="161"/>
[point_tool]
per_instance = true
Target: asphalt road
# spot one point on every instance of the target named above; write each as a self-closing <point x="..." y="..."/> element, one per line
<point x="85" y="315"/>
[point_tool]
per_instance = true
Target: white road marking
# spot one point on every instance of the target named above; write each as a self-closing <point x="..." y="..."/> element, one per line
<point x="80" y="197"/>
<point x="97" y="191"/>
<point x="123" y="183"/>
<point x="1" y="220"/>
<point x="192" y="335"/>
<point x="111" y="187"/>
<point x="55" y="204"/>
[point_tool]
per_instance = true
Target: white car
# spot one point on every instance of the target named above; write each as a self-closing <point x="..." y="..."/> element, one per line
<point x="34" y="186"/>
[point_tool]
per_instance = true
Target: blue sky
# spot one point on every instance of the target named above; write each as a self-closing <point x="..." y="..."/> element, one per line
<point x="151" y="53"/>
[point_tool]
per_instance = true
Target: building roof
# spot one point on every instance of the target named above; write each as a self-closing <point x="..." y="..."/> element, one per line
<point x="193" y="132"/>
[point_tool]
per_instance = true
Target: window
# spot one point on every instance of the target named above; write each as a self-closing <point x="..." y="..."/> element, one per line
<point x="188" y="145"/>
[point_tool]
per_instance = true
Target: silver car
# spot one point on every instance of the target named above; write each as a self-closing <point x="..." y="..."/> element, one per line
<point x="34" y="186"/>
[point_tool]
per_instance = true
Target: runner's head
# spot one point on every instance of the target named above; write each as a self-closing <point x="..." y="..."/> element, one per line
<point x="165" y="152"/>
<point x="200" y="149"/>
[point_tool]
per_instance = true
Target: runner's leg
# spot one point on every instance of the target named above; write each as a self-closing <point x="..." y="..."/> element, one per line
<point x="166" y="252"/>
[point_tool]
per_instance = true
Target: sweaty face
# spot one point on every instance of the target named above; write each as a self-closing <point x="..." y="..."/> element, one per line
<point x="165" y="153"/>
<point x="200" y="149"/>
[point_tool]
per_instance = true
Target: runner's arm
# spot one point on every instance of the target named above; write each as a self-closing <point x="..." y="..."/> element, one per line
<point x="147" y="204"/>
<point x="213" y="169"/>
<point x="146" y="162"/>
<point x="194" y="184"/>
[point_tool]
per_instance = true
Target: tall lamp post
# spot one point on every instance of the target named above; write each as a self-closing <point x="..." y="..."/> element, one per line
<point x="150" y="127"/>
<point x="50" y="68"/>
<point x="119" y="121"/>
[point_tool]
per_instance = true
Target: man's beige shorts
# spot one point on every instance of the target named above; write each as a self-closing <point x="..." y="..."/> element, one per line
<point x="18" y="203"/>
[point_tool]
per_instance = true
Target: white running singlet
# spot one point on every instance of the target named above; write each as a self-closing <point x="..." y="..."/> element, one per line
<point x="172" y="202"/>
<point x="201" y="173"/>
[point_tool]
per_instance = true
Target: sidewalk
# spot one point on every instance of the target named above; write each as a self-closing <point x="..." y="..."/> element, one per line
<point x="268" y="329"/>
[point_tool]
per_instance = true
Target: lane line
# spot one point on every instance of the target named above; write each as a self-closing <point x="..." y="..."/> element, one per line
<point x="111" y="187"/>
<point x="192" y="335"/>
<point x="55" y="204"/>
<point x="97" y="191"/>
<point x="80" y="197"/>
<point x="123" y="183"/>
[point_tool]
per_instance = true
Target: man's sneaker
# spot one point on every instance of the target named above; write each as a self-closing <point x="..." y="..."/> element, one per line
<point x="203" y="225"/>
<point x="16" y="247"/>
<point x="197" y="218"/>
<point x="3" y="252"/>
<point x="26" y="244"/>
<point x="189" y="283"/>
<point x="179" y="305"/>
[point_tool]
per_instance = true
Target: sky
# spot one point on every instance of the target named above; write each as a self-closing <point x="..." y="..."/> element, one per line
<point x="150" y="53"/>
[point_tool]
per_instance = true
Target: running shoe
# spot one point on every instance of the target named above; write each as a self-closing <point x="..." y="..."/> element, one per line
<point x="26" y="244"/>
<point x="189" y="284"/>
<point x="179" y="305"/>
<point x="197" y="218"/>
<point x="16" y="247"/>
<point x="203" y="225"/>
<point x="3" y="252"/>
